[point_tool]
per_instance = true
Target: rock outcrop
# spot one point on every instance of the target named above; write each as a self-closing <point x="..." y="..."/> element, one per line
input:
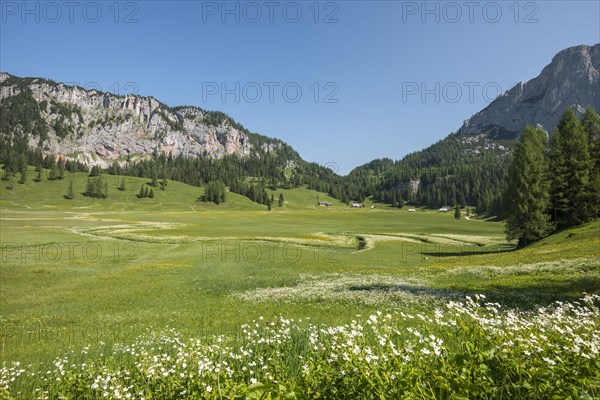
<point x="98" y="128"/>
<point x="572" y="79"/>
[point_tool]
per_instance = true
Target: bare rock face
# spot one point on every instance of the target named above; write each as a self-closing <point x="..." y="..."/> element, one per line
<point x="102" y="127"/>
<point x="572" y="79"/>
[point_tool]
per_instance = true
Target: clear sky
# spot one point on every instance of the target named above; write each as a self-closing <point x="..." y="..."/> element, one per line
<point x="343" y="82"/>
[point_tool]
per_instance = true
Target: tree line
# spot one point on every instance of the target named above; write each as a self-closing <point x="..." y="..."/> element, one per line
<point x="448" y="173"/>
<point x="554" y="184"/>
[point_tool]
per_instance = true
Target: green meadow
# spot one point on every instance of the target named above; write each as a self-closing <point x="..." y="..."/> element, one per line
<point x="83" y="271"/>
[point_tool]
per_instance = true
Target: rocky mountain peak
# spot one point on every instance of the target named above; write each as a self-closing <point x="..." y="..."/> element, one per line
<point x="572" y="79"/>
<point x="99" y="128"/>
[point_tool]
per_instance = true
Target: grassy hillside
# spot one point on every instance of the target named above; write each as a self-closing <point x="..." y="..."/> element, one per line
<point x="50" y="195"/>
<point x="76" y="272"/>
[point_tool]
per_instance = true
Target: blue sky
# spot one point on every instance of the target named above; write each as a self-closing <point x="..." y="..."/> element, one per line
<point x="377" y="78"/>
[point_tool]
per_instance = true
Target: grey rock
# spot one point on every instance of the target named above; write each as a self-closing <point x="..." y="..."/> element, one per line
<point x="112" y="127"/>
<point x="572" y="79"/>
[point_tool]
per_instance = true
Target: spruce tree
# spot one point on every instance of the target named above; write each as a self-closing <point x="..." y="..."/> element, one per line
<point x="222" y="190"/>
<point x="89" y="187"/>
<point x="252" y="193"/>
<point x="216" y="194"/>
<point x="265" y="197"/>
<point x="53" y="175"/>
<point x="207" y="192"/>
<point x="23" y="169"/>
<point x="141" y="195"/>
<point x="70" y="195"/>
<point x="97" y="187"/>
<point x="154" y="182"/>
<point x="527" y="198"/>
<point x="11" y="185"/>
<point x="23" y="178"/>
<point x="122" y="185"/>
<point x="38" y="173"/>
<point x="151" y="194"/>
<point x="591" y="126"/>
<point x="281" y="200"/>
<point x="96" y="171"/>
<point x="570" y="171"/>
<point x="61" y="169"/>
<point x="400" y="201"/>
<point x="457" y="212"/>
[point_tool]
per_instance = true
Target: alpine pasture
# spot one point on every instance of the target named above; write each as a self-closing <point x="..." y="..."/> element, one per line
<point x="172" y="297"/>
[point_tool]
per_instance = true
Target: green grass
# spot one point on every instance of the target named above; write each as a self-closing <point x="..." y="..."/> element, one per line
<point x="77" y="271"/>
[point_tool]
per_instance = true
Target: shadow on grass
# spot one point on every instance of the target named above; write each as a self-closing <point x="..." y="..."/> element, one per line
<point x="504" y="252"/>
<point x="412" y="289"/>
<point x="527" y="293"/>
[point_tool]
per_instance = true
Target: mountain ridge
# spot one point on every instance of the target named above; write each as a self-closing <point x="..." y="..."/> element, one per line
<point x="572" y="79"/>
<point x="469" y="166"/>
<point x="466" y="167"/>
<point x="98" y="128"/>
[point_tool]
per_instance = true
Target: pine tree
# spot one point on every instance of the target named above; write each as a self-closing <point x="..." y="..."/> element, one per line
<point x="163" y="182"/>
<point x="154" y="182"/>
<point x="252" y="193"/>
<point x="146" y="192"/>
<point x="208" y="195"/>
<point x="61" y="169"/>
<point x="264" y="199"/>
<point x="222" y="190"/>
<point x="23" y="178"/>
<point x="591" y="126"/>
<point x="89" y="187"/>
<point x="215" y="192"/>
<point x="38" y="173"/>
<point x="527" y="199"/>
<point x="141" y="194"/>
<point x="281" y="200"/>
<point x="11" y="185"/>
<point x="457" y="213"/>
<point x="70" y="195"/>
<point x="151" y="194"/>
<point x="96" y="171"/>
<point x="122" y="185"/>
<point x="53" y="175"/>
<point x="570" y="171"/>
<point x="23" y="169"/>
<point x="97" y="187"/>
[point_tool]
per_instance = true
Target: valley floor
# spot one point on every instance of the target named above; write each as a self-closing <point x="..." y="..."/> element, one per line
<point x="74" y="274"/>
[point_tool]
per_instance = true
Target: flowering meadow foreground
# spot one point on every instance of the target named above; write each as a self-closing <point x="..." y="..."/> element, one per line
<point x="470" y="349"/>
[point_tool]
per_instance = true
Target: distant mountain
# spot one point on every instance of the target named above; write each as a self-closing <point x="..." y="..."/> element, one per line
<point x="469" y="166"/>
<point x="97" y="128"/>
<point x="572" y="79"/>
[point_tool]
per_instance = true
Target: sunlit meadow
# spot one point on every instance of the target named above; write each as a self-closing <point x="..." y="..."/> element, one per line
<point x="122" y="299"/>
